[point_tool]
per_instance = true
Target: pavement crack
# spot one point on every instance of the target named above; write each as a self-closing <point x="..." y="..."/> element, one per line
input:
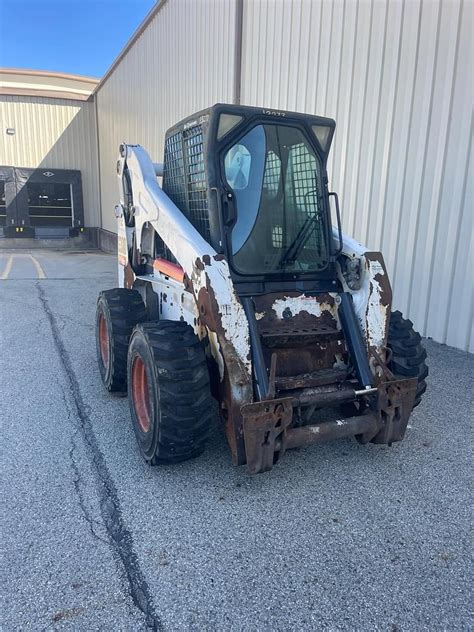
<point x="120" y="538"/>
<point x="78" y="478"/>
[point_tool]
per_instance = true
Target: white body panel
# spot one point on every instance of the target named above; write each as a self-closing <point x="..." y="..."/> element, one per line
<point x="196" y="257"/>
<point x="368" y="304"/>
<point x="174" y="302"/>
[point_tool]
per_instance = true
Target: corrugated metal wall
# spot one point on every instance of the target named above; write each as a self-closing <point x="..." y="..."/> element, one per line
<point x="397" y="77"/>
<point x="53" y="133"/>
<point x="180" y="64"/>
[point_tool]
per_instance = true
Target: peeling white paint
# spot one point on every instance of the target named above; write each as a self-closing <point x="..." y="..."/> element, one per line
<point x="340" y="422"/>
<point x="367" y="302"/>
<point x="178" y="304"/>
<point x="298" y="304"/>
<point x="371" y="313"/>
<point x="314" y="429"/>
<point x="259" y="315"/>
<point x="233" y="318"/>
<point x="376" y="315"/>
<point x="216" y="352"/>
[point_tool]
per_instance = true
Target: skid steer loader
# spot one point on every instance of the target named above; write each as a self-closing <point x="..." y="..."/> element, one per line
<point x="235" y="285"/>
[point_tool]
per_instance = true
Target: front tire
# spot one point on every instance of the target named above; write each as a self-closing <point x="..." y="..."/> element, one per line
<point x="408" y="353"/>
<point x="169" y="393"/>
<point x="118" y="311"/>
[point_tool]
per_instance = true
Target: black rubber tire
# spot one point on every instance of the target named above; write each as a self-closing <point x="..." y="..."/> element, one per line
<point x="179" y="404"/>
<point x="408" y="353"/>
<point x="121" y="310"/>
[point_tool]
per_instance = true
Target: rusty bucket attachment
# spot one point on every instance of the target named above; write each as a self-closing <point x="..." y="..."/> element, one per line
<point x="265" y="426"/>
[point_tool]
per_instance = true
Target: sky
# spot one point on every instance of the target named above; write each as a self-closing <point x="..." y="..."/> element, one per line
<point x="76" y="36"/>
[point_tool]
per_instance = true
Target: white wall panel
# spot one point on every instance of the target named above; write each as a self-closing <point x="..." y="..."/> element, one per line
<point x="397" y="77"/>
<point x="53" y="133"/>
<point x="182" y="62"/>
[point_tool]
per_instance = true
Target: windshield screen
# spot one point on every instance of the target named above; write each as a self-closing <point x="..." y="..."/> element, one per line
<point x="276" y="177"/>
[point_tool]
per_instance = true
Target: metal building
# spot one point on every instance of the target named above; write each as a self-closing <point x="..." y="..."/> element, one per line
<point x="396" y="76"/>
<point x="48" y="153"/>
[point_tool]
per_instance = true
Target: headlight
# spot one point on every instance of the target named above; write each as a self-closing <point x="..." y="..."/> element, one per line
<point x="352" y="271"/>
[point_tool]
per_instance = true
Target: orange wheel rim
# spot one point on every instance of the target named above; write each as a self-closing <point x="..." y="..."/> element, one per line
<point x="104" y="340"/>
<point x="140" y="394"/>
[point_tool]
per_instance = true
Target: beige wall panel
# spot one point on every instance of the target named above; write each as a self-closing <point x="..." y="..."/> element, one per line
<point x="182" y="62"/>
<point x="53" y="133"/>
<point x="397" y="77"/>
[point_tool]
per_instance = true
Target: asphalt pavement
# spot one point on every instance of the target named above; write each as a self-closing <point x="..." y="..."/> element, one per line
<point x="336" y="537"/>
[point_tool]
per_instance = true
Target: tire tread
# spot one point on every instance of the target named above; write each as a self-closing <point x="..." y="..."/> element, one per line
<point x="408" y="353"/>
<point x="126" y="309"/>
<point x="186" y="407"/>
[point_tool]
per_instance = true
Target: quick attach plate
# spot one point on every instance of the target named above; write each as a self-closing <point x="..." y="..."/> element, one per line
<point x="395" y="404"/>
<point x="265" y="426"/>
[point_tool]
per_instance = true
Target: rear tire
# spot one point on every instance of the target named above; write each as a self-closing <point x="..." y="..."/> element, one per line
<point x="118" y="311"/>
<point x="408" y="353"/>
<point x="169" y="393"/>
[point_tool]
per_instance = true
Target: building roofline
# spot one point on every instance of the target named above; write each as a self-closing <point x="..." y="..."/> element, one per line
<point x="46" y="83"/>
<point x="48" y="73"/>
<point x="58" y="95"/>
<point x="138" y="32"/>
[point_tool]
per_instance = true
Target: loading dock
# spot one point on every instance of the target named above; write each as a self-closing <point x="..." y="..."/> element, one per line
<point x="40" y="202"/>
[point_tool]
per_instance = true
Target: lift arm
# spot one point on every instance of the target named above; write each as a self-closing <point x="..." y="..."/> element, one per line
<point x="207" y="275"/>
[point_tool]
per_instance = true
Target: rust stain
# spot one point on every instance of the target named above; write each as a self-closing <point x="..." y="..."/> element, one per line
<point x="235" y="389"/>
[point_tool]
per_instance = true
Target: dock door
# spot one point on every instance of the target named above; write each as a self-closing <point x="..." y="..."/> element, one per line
<point x="40" y="202"/>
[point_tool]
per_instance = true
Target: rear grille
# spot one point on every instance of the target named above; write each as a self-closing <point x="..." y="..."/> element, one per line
<point x="184" y="177"/>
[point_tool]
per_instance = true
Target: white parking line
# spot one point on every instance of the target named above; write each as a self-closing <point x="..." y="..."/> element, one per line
<point x="39" y="269"/>
<point x="8" y="268"/>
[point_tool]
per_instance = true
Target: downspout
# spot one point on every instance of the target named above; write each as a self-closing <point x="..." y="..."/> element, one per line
<point x="239" y="13"/>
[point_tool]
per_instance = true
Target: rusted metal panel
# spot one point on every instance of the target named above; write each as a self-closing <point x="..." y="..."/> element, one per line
<point x="379" y="300"/>
<point x="265" y="427"/>
<point x="316" y="378"/>
<point x="367" y="424"/>
<point x="323" y="395"/>
<point x="292" y="311"/>
<point x="395" y="403"/>
<point x="269" y="433"/>
<point x="235" y="388"/>
<point x="303" y="331"/>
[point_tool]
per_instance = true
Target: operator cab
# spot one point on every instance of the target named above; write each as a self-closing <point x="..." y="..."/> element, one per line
<point x="253" y="182"/>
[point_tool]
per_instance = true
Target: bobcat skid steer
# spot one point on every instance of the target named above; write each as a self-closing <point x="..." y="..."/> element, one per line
<point x="234" y="285"/>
